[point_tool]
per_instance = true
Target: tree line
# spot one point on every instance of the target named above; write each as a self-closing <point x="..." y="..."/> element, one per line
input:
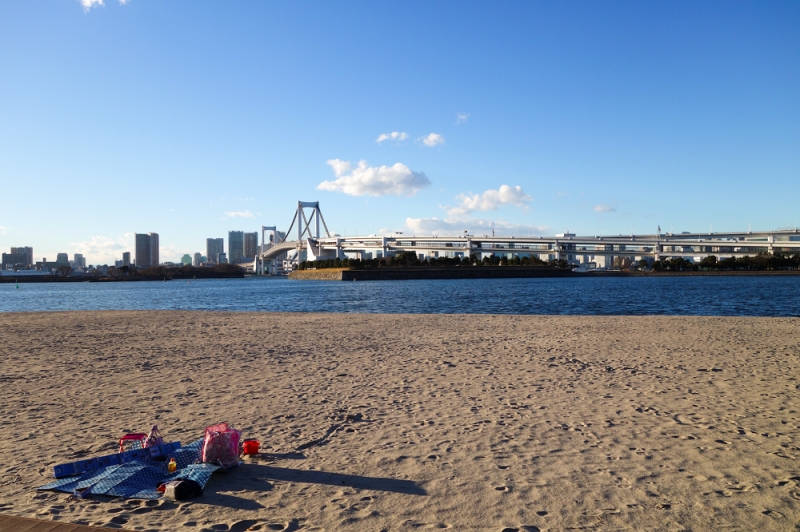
<point x="761" y="262"/>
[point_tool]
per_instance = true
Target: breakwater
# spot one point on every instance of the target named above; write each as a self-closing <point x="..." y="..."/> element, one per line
<point x="407" y="274"/>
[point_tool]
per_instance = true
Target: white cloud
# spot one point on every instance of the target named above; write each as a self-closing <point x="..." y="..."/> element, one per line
<point x="490" y="200"/>
<point x="459" y="218"/>
<point x="104" y="250"/>
<point x="238" y="214"/>
<point x="603" y="208"/>
<point x="431" y="140"/>
<point x="3" y="230"/>
<point x="365" y="180"/>
<point x="172" y="253"/>
<point x="89" y="4"/>
<point x="461" y="118"/>
<point x="396" y="136"/>
<point x="476" y="226"/>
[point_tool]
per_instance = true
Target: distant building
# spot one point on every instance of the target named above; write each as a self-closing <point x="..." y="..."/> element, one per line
<point x="186" y="260"/>
<point x="155" y="259"/>
<point x="27" y="251"/>
<point x="235" y="246"/>
<point x="142" y="250"/>
<point x="49" y="266"/>
<point x="79" y="261"/>
<point x="198" y="259"/>
<point x="126" y="258"/>
<point x="14" y="260"/>
<point x="118" y="264"/>
<point x="214" y="247"/>
<point x="223" y="258"/>
<point x="250" y="245"/>
<point x="147" y="250"/>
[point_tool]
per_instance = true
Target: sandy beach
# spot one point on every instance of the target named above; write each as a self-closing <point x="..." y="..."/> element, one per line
<point x="401" y="422"/>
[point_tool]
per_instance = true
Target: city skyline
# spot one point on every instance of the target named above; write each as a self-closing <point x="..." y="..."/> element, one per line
<point x="525" y="118"/>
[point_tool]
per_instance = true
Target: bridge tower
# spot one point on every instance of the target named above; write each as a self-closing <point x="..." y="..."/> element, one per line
<point x="304" y="224"/>
<point x="274" y="230"/>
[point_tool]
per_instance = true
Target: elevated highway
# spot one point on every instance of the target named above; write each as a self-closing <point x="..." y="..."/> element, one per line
<point x="657" y="246"/>
<point x="311" y="245"/>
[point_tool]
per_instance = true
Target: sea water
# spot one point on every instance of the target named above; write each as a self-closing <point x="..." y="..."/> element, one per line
<point x="678" y="295"/>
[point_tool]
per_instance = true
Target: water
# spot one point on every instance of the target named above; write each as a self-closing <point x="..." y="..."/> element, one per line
<point x="709" y="296"/>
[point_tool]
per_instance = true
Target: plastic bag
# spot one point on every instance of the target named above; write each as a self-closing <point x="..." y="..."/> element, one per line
<point x="154" y="438"/>
<point x="221" y="445"/>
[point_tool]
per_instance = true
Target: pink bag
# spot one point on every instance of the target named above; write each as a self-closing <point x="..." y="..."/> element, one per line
<point x="154" y="438"/>
<point x="221" y="444"/>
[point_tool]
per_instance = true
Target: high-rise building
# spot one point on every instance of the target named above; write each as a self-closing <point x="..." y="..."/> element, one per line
<point x="250" y="245"/>
<point x="154" y="255"/>
<point x="186" y="260"/>
<point x="79" y="260"/>
<point x="142" y="257"/>
<point x="28" y="251"/>
<point x="235" y="246"/>
<point x="62" y="258"/>
<point x="126" y="258"/>
<point x="214" y="246"/>
<point x="147" y="250"/>
<point x="198" y="259"/>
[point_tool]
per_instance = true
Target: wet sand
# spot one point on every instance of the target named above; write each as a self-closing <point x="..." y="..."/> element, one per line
<point x="401" y="422"/>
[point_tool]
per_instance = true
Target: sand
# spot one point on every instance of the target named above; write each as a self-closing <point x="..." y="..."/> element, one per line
<point x="400" y="422"/>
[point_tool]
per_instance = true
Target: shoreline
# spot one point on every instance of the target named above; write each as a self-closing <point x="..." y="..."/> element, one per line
<point x="9" y="279"/>
<point x="498" y="272"/>
<point x="431" y="421"/>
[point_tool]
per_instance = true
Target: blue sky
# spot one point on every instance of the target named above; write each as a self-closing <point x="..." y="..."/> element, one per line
<point x="194" y="118"/>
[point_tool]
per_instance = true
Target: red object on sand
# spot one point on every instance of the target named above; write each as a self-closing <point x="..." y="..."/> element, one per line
<point x="250" y="446"/>
<point x="136" y="436"/>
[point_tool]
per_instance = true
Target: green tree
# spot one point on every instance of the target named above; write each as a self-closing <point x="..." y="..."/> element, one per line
<point x="709" y="262"/>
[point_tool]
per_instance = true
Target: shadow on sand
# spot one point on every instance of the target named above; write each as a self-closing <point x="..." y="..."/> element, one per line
<point x="338" y="479"/>
<point x="255" y="477"/>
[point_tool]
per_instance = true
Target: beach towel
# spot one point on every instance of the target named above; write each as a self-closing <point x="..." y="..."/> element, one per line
<point x="138" y="479"/>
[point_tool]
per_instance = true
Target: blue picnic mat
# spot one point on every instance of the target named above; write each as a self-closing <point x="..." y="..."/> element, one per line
<point x="139" y="479"/>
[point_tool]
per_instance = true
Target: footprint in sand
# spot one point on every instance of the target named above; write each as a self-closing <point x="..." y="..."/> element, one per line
<point x="773" y="514"/>
<point x="503" y="467"/>
<point x="502" y="488"/>
<point x="241" y="526"/>
<point x="541" y="513"/>
<point x="118" y="520"/>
